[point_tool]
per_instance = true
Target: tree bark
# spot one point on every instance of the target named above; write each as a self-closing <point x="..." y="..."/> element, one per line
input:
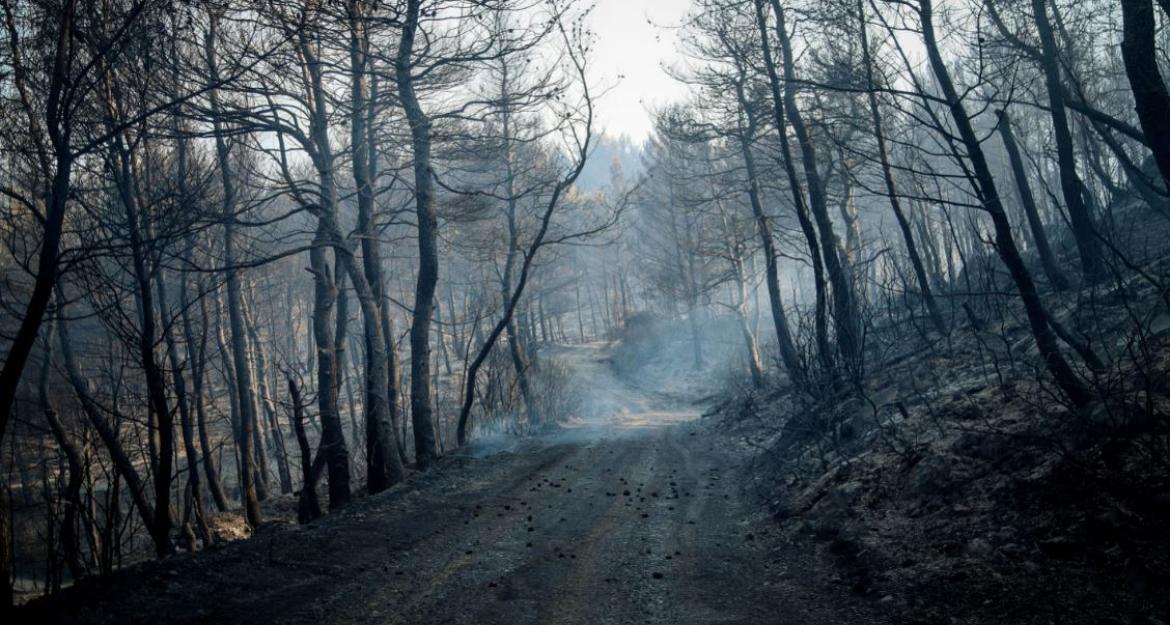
<point x="48" y="261"/>
<point x="245" y="390"/>
<point x="1046" y="341"/>
<point x="788" y="353"/>
<point x="1139" y="52"/>
<point x="267" y="405"/>
<point x="800" y="206"/>
<point x="308" y="508"/>
<point x="186" y="419"/>
<point x="197" y="356"/>
<point x="122" y="168"/>
<point x="71" y="517"/>
<point x="891" y="185"/>
<point x="182" y="398"/>
<point x="1047" y="259"/>
<point x="516" y="348"/>
<point x="845" y="313"/>
<point x="123" y="465"/>
<point x="421" y="409"/>
<point x="1070" y="182"/>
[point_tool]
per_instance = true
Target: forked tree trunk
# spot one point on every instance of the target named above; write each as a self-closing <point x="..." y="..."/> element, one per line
<point x="58" y="129"/>
<point x="845" y="315"/>
<point x="800" y="206"/>
<point x="383" y="460"/>
<point x="186" y="405"/>
<point x="516" y="348"/>
<point x="788" y="354"/>
<point x="72" y="515"/>
<point x="122" y="167"/>
<point x="275" y="438"/>
<point x="308" y="508"/>
<point x="123" y="465"/>
<point x="197" y="356"/>
<point x="182" y="398"/>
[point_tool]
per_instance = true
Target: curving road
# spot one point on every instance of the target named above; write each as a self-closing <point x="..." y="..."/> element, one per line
<point x="634" y="514"/>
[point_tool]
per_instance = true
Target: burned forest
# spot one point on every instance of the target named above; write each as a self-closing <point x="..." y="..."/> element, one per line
<point x="585" y="312"/>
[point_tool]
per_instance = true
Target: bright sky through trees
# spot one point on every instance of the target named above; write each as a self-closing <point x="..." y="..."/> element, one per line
<point x="634" y="38"/>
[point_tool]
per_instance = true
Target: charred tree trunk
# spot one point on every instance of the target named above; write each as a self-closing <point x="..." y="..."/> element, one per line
<point x="186" y="422"/>
<point x="186" y="419"/>
<point x="1047" y="259"/>
<point x="197" y="356"/>
<point x="788" y="354"/>
<point x="333" y="445"/>
<point x="123" y="465"/>
<point x="421" y="409"/>
<point x="243" y="373"/>
<point x="267" y="406"/>
<point x="58" y="130"/>
<point x="845" y="312"/>
<point x="891" y="186"/>
<point x="122" y="170"/>
<point x="1063" y="374"/>
<point x="800" y="206"/>
<point x="383" y="459"/>
<point x="1139" y="51"/>
<point x="1070" y="182"/>
<point x="516" y="348"/>
<point x="73" y="512"/>
<point x="308" y="508"/>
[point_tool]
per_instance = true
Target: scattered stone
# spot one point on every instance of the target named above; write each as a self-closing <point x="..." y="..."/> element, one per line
<point x="979" y="548"/>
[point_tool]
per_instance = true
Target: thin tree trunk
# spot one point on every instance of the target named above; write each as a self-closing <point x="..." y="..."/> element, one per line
<point x="1046" y="341"/>
<point x="788" y="354"/>
<point x="182" y="398"/>
<point x="891" y="186"/>
<point x="820" y="323"/>
<point x="198" y="359"/>
<point x="383" y="460"/>
<point x="1047" y="259"/>
<point x="1070" y="182"/>
<point x="267" y="404"/>
<point x="428" y="244"/>
<point x="58" y="129"/>
<point x="308" y="508"/>
<point x="845" y="307"/>
<point x="516" y="348"/>
<point x="122" y="168"/>
<point x="243" y="374"/>
<point x="123" y="465"/>
<point x="71" y="517"/>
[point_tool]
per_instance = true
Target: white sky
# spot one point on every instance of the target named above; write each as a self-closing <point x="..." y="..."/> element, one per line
<point x="629" y="56"/>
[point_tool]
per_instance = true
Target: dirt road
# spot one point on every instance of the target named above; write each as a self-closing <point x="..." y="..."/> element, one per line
<point x="634" y="517"/>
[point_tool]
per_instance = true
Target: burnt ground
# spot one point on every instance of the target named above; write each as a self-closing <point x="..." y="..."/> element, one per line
<point x="641" y="517"/>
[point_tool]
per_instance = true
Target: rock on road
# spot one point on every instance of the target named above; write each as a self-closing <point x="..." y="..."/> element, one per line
<point x="640" y="519"/>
